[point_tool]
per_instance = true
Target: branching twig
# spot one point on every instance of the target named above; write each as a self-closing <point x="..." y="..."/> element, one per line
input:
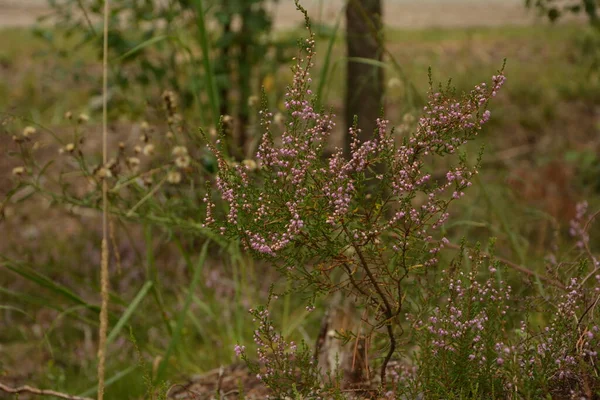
<point x="519" y="268"/>
<point x="39" y="392"/>
<point x="387" y="307"/>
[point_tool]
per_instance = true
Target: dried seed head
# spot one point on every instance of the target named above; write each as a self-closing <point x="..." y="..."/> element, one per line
<point x="212" y="133"/>
<point x="174" y="177"/>
<point x="69" y="115"/>
<point x="252" y="101"/>
<point x="183" y="161"/>
<point x="179" y="151"/>
<point x="83" y="118"/>
<point x="29" y="131"/>
<point x="170" y="135"/>
<point x="145" y="126"/>
<point x="70" y="147"/>
<point x="133" y="163"/>
<point x="18" y="171"/>
<point x="148" y="149"/>
<point x="170" y="101"/>
<point x="121" y="145"/>
<point x="103" y="173"/>
<point x="137" y="149"/>
<point x="113" y="166"/>
<point x="227" y="119"/>
<point x="250" y="165"/>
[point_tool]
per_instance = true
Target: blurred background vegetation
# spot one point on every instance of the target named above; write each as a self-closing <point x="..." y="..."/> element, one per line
<point x="541" y="156"/>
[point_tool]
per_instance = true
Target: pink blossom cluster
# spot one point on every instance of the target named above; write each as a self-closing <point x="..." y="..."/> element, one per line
<point x="271" y="346"/>
<point x="577" y="225"/>
<point x="558" y="350"/>
<point x="465" y="316"/>
<point x="295" y="188"/>
<point x="565" y="340"/>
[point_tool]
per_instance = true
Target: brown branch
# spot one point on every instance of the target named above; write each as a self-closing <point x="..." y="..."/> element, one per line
<point x="39" y="392"/>
<point x="519" y="268"/>
<point x="388" y="309"/>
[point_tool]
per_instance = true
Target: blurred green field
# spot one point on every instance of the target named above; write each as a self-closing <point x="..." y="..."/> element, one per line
<point x="541" y="158"/>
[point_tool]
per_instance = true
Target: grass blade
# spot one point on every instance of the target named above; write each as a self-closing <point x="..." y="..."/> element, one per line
<point x="211" y="85"/>
<point x="327" y="62"/>
<point x="116" y="377"/>
<point x="128" y="312"/>
<point x="16" y="309"/>
<point x="152" y="276"/>
<point x="368" y="61"/>
<point x="141" y="46"/>
<point x="176" y="337"/>
<point x="43" y="281"/>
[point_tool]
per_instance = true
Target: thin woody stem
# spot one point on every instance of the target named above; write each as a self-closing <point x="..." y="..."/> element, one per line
<point x="388" y="309"/>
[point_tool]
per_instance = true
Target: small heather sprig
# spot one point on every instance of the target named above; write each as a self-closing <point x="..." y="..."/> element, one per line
<point x="464" y="337"/>
<point x="577" y="225"/>
<point x="283" y="366"/>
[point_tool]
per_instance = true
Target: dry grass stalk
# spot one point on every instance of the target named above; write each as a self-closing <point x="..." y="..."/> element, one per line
<point x="104" y="262"/>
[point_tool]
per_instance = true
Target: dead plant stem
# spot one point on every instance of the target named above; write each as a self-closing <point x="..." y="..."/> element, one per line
<point x="104" y="277"/>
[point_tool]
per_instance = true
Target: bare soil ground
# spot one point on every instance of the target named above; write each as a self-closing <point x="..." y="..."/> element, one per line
<point x="398" y="13"/>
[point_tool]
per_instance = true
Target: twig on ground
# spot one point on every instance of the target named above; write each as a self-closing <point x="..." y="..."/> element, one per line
<point x="39" y="392"/>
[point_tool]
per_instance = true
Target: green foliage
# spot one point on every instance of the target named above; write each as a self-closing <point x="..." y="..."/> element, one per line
<point x="555" y="9"/>
<point x="162" y="45"/>
<point x="588" y="41"/>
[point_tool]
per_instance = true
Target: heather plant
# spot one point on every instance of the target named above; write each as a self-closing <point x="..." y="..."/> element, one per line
<point x="284" y="366"/>
<point x="470" y="343"/>
<point x="363" y="225"/>
<point x="461" y="349"/>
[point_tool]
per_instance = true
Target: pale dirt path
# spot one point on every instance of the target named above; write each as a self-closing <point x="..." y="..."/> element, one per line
<point x="20" y="12"/>
<point x="398" y="13"/>
<point x="416" y="14"/>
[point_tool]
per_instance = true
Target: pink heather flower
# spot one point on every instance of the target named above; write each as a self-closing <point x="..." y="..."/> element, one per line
<point x="577" y="225"/>
<point x="239" y="350"/>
